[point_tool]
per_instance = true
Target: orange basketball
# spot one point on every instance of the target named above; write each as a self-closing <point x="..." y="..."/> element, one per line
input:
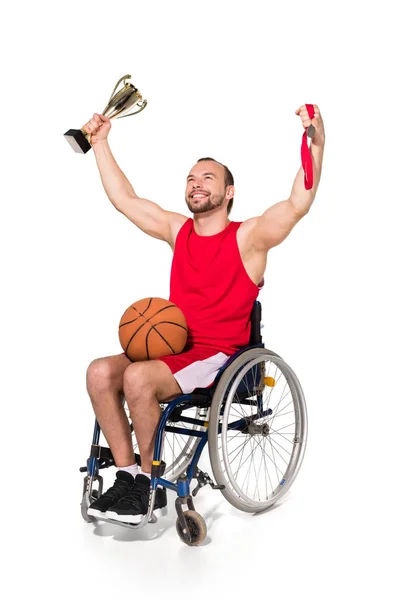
<point x="151" y="328"/>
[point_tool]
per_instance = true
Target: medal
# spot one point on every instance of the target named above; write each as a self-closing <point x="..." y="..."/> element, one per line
<point x="311" y="131"/>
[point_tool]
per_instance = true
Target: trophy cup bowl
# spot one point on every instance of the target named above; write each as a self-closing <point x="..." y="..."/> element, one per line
<point x="118" y="105"/>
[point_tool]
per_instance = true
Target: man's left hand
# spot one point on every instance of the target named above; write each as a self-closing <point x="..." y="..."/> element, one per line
<point x="319" y="137"/>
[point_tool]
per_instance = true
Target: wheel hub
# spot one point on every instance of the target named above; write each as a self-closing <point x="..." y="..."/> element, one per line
<point x="254" y="428"/>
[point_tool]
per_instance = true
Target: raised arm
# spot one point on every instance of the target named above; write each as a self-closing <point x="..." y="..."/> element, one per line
<point x="275" y="224"/>
<point x="145" y="214"/>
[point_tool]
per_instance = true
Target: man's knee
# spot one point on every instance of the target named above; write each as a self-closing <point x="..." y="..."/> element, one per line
<point x="102" y="373"/>
<point x="137" y="377"/>
<point x="150" y="378"/>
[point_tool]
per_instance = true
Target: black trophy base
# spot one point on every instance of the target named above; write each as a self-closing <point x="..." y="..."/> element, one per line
<point x="77" y="140"/>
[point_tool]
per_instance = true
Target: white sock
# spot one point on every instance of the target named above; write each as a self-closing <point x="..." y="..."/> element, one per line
<point x="132" y="469"/>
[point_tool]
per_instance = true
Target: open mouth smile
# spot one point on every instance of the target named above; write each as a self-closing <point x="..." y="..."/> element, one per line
<point x="198" y="195"/>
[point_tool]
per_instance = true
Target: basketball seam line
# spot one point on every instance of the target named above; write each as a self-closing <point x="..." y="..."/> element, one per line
<point x="142" y="314"/>
<point x="152" y="327"/>
<point x="156" y="313"/>
<point x="129" y="322"/>
<point x="147" y="345"/>
<point x="134" y="333"/>
<point x="148" y="306"/>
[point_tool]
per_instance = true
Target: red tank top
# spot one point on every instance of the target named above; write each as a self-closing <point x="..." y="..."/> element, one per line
<point x="212" y="288"/>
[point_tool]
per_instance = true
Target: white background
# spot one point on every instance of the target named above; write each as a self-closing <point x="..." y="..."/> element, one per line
<point x="222" y="79"/>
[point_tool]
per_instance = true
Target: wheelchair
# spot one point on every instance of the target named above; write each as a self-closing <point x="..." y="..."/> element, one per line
<point x="254" y="419"/>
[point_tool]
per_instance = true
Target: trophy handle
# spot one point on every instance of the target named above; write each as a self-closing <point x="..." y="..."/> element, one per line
<point x="118" y="82"/>
<point x="141" y="105"/>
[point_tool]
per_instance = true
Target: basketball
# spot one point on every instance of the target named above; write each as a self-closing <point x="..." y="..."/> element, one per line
<point x="151" y="328"/>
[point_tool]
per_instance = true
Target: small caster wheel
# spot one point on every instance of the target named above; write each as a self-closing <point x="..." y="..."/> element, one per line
<point x="86" y="502"/>
<point x="197" y="528"/>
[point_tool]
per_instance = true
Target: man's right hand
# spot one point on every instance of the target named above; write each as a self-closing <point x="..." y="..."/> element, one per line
<point x="98" y="127"/>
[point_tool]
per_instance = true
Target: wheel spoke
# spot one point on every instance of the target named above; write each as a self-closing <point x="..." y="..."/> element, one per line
<point x="266" y="467"/>
<point x="255" y="473"/>
<point x="234" y="450"/>
<point x="241" y="457"/>
<point x="277" y="413"/>
<point x="283" y="414"/>
<point x="279" y="431"/>
<point x="259" y="471"/>
<point x="275" y="463"/>
<point x="274" y="444"/>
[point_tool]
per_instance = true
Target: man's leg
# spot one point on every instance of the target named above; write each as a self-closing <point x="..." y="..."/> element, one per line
<point x="105" y="385"/>
<point x="146" y="384"/>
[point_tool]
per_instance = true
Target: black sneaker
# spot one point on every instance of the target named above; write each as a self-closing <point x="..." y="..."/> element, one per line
<point x="122" y="485"/>
<point x="134" y="506"/>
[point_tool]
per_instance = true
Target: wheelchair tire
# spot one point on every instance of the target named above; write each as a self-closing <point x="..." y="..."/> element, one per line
<point x="196" y="525"/>
<point x="278" y="443"/>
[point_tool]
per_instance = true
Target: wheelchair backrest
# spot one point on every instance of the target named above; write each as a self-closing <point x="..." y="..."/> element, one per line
<point x="255" y="318"/>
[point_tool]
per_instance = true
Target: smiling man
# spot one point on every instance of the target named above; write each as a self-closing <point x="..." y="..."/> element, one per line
<point x="215" y="183"/>
<point x="216" y="275"/>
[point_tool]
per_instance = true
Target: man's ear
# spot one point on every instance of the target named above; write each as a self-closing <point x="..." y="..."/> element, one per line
<point x="231" y="191"/>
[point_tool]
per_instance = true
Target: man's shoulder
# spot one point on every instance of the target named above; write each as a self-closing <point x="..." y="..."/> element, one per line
<point x="176" y="221"/>
<point x="248" y="224"/>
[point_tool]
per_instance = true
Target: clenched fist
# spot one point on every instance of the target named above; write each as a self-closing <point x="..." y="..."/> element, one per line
<point x="319" y="137"/>
<point x="98" y="128"/>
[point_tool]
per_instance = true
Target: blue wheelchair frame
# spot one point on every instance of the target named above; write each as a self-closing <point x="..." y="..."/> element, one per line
<point x="182" y="488"/>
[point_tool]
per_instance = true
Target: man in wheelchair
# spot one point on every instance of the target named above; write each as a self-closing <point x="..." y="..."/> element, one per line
<point x="216" y="275"/>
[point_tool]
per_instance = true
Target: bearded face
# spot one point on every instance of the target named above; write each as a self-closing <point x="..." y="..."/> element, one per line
<point x="202" y="201"/>
<point x="205" y="188"/>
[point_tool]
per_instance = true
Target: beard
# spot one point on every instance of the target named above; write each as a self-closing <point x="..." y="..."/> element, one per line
<point x="206" y="204"/>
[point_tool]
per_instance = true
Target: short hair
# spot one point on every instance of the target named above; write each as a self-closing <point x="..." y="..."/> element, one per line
<point x="228" y="177"/>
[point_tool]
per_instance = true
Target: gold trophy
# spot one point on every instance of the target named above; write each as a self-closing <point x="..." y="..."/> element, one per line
<point x="127" y="97"/>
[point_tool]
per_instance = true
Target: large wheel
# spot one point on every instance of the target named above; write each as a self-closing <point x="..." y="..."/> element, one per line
<point x="257" y="430"/>
<point x="178" y="449"/>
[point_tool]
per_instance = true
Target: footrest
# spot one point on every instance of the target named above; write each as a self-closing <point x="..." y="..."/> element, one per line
<point x="153" y="519"/>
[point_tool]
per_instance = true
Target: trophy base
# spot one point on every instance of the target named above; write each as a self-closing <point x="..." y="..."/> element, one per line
<point x="77" y="140"/>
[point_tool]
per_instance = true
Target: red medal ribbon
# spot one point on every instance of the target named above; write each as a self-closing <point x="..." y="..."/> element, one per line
<point x="306" y="159"/>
